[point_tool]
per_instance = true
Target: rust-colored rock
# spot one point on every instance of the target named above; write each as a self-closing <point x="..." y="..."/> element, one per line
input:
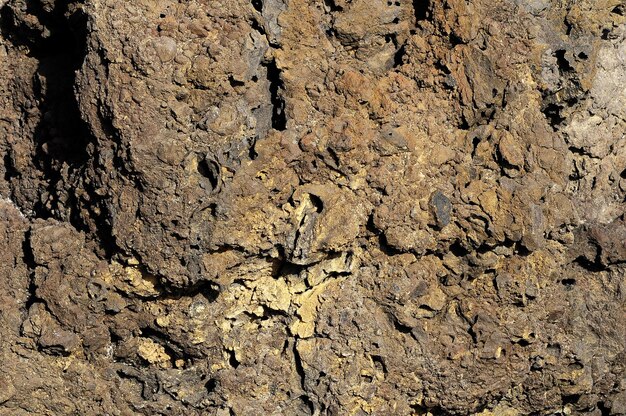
<point x="313" y="207"/>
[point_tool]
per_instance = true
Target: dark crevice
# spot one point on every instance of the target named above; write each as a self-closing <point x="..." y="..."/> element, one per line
<point x="61" y="129"/>
<point x="258" y="5"/>
<point x="299" y="367"/>
<point x="370" y="226"/>
<point x="427" y="308"/>
<point x="521" y="249"/>
<point x="458" y="250"/>
<point x="277" y="89"/>
<point x="62" y="138"/>
<point x="254" y="24"/>
<point x="28" y="254"/>
<point x="442" y="67"/>
<point x="211" y="385"/>
<point x="392" y="38"/>
<point x="475" y="143"/>
<point x="102" y="226"/>
<point x="604" y="409"/>
<point x="252" y="153"/>
<point x="553" y="115"/>
<point x="569" y="27"/>
<point x="464" y="123"/>
<point x="32" y="293"/>
<point x="9" y="168"/>
<point x="335" y="158"/>
<point x="399" y="56"/>
<point x="486" y="248"/>
<point x="379" y="363"/>
<point x="455" y="40"/>
<point x="306" y="400"/>
<point x="591" y="266"/>
<point x="421" y="10"/>
<point x="331" y="33"/>
<point x="269" y="313"/>
<point x="330" y="4"/>
<point x="570" y="92"/>
<point x="576" y="174"/>
<point x="114" y="337"/>
<point x="383" y="244"/>
<point x="209" y="169"/>
<point x="232" y="359"/>
<point x="317" y="203"/>
<point x="367" y="378"/>
<point x="208" y="289"/>
<point x="471" y="332"/>
<point x="171" y="347"/>
<point x="522" y="342"/>
<point x="282" y="267"/>
<point x="387" y="248"/>
<point x="235" y="83"/>
<point x="223" y="248"/>
<point x="400" y="327"/>
<point x="504" y="165"/>
<point x="571" y="398"/>
<point x="29" y="261"/>
<point x="434" y="411"/>
<point x="562" y="62"/>
<point x="580" y="151"/>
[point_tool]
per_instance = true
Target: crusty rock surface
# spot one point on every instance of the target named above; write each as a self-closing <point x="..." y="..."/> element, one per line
<point x="324" y="207"/>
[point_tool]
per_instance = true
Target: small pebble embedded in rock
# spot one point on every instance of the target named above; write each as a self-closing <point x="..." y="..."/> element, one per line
<point x="442" y="208"/>
<point x="165" y="48"/>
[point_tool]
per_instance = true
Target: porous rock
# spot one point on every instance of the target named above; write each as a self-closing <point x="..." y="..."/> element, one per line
<point x="313" y="207"/>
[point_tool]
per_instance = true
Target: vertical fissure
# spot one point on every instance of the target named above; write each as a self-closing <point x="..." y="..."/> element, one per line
<point x="421" y="9"/>
<point x="277" y="89"/>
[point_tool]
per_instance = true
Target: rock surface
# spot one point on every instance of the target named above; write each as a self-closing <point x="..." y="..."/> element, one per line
<point x="288" y="207"/>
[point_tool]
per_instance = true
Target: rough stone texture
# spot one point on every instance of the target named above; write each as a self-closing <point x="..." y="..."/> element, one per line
<point x="289" y="207"/>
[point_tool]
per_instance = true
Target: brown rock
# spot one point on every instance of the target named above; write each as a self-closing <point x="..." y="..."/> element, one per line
<point x="306" y="208"/>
